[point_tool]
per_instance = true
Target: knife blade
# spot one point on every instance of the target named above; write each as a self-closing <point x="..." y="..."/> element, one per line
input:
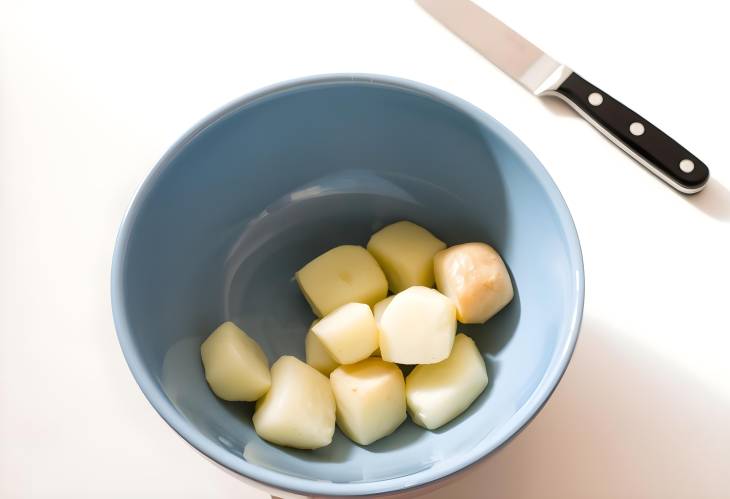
<point x="545" y="77"/>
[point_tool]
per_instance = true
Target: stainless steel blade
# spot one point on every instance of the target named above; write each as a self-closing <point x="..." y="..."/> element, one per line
<point x="506" y="49"/>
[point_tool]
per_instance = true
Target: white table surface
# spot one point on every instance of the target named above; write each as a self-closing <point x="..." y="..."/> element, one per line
<point x="92" y="93"/>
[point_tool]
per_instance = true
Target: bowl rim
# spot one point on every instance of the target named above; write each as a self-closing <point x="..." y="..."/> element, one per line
<point x="513" y="426"/>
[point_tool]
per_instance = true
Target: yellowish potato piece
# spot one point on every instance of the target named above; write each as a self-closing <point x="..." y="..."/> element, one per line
<point x="417" y="327"/>
<point x="370" y="399"/>
<point x="405" y="252"/>
<point x="437" y="393"/>
<point x="474" y="276"/>
<point x="342" y="275"/>
<point x="349" y="333"/>
<point x="235" y="366"/>
<point x="299" y="408"/>
<point x="317" y="355"/>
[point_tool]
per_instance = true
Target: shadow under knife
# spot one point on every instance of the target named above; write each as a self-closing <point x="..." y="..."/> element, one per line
<point x="713" y="200"/>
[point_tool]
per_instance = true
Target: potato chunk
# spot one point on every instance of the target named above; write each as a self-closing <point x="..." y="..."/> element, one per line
<point x="349" y="333"/>
<point x="380" y="307"/>
<point x="405" y="252"/>
<point x="370" y="399"/>
<point x="342" y="275"/>
<point x="317" y="355"/>
<point x="235" y="366"/>
<point x="437" y="393"/>
<point x="378" y="310"/>
<point x="474" y="276"/>
<point x="417" y="327"/>
<point x="299" y="408"/>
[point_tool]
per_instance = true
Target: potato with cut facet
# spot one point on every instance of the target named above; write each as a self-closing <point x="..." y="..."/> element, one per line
<point x="380" y="307"/>
<point x="349" y="333"/>
<point x="437" y="393"/>
<point x="417" y="327"/>
<point x="317" y="355"/>
<point x="299" y="408"/>
<point x="235" y="366"/>
<point x="474" y="276"/>
<point x="370" y="398"/>
<point x="405" y="252"/>
<point x="344" y="274"/>
<point x="378" y="310"/>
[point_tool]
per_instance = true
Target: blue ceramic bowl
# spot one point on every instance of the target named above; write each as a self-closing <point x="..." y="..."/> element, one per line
<point x="264" y="185"/>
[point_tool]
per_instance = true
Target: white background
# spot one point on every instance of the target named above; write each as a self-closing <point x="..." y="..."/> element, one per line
<point x="92" y="93"/>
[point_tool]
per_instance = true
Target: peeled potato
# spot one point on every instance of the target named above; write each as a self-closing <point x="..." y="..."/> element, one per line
<point x="370" y="399"/>
<point x="417" y="327"/>
<point x="299" y="408"/>
<point x="474" y="276"/>
<point x="235" y="366"/>
<point x="380" y="307"/>
<point x="349" y="333"/>
<point x="378" y="310"/>
<point x="317" y="355"/>
<point x="405" y="252"/>
<point x="437" y="393"/>
<point x="342" y="275"/>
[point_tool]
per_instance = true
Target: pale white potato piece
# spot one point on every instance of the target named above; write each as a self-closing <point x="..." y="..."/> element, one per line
<point x="342" y="275"/>
<point x="317" y="355"/>
<point x="437" y="393"/>
<point x="380" y="307"/>
<point x="474" y="276"/>
<point x="349" y="333"/>
<point x="370" y="397"/>
<point x="378" y="310"/>
<point x="235" y="366"/>
<point x="299" y="408"/>
<point x="417" y="327"/>
<point x="405" y="252"/>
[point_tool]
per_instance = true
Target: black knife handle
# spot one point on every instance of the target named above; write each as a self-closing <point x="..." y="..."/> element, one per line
<point x="648" y="145"/>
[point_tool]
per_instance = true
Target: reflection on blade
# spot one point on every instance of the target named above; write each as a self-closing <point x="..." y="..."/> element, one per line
<point x="496" y="41"/>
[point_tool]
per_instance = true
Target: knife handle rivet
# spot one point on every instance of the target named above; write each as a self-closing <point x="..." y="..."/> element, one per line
<point x="686" y="165"/>
<point x="636" y="128"/>
<point x="595" y="99"/>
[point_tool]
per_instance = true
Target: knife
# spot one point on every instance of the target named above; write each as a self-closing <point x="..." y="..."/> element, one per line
<point x="544" y="76"/>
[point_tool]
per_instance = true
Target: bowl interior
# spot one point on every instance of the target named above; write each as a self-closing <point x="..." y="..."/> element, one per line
<point x="220" y="227"/>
